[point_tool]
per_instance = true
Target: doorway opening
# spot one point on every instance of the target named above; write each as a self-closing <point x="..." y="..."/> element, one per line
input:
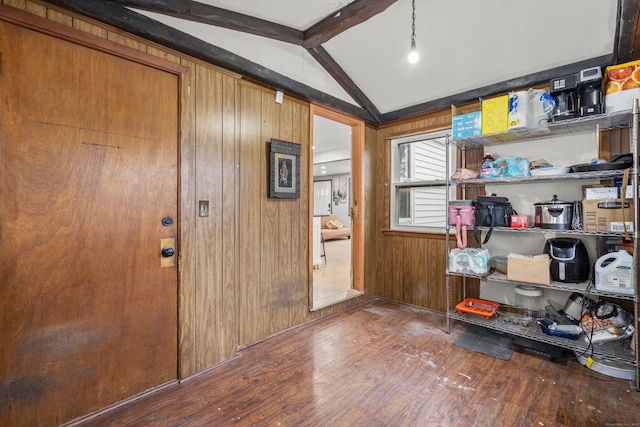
<point x="337" y="239"/>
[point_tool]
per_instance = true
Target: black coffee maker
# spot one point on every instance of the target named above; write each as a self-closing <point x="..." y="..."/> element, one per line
<point x="590" y="92"/>
<point x="564" y="91"/>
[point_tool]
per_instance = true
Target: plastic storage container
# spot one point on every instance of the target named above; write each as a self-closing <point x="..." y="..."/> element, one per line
<point x="527" y="298"/>
<point x="614" y="272"/>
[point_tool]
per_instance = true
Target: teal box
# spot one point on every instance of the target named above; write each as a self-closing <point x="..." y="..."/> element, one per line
<point x="467" y="125"/>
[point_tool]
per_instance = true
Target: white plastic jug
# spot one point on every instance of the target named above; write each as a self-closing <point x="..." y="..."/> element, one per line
<point x="614" y="272"/>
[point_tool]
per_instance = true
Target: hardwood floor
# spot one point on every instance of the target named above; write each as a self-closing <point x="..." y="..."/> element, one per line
<point x="332" y="279"/>
<point x="381" y="363"/>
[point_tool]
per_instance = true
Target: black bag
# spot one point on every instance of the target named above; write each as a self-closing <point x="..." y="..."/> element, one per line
<point x="492" y="211"/>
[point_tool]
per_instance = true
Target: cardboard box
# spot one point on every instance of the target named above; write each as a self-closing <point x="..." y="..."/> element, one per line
<point x="495" y="115"/>
<point x="621" y="86"/>
<point x="599" y="214"/>
<point x="619" y="227"/>
<point x="598" y="191"/>
<point x="467" y="125"/>
<point x="529" y="268"/>
<point x="620" y="101"/>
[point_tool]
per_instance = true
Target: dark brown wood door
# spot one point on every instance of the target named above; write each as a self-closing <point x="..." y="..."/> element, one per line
<point x="88" y="154"/>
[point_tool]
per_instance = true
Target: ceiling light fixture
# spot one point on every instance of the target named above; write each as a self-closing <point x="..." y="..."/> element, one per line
<point x="413" y="54"/>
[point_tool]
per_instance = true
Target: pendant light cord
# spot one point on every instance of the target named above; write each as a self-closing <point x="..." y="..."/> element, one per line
<point x="413" y="24"/>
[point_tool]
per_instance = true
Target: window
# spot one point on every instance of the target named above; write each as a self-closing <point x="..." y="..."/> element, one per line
<point x="418" y="193"/>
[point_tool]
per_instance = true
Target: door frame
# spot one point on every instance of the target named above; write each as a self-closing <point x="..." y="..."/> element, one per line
<point x="357" y="193"/>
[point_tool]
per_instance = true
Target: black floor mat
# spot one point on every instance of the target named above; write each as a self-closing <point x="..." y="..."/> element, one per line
<point x="553" y="352"/>
<point x="486" y="341"/>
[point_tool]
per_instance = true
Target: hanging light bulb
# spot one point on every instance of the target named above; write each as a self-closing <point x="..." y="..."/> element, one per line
<point x="414" y="56"/>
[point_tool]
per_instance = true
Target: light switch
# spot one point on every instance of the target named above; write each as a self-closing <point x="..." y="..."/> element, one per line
<point x="203" y="208"/>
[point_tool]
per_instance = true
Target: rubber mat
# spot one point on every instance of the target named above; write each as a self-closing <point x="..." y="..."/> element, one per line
<point x="486" y="341"/>
<point x="553" y="352"/>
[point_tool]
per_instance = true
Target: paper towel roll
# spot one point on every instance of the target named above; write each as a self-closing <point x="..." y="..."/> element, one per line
<point x="518" y="109"/>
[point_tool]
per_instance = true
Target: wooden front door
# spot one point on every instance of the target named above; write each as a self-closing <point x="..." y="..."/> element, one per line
<point x="88" y="158"/>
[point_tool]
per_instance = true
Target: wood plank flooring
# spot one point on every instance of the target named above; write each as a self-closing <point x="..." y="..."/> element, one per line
<point x="381" y="363"/>
<point x="332" y="279"/>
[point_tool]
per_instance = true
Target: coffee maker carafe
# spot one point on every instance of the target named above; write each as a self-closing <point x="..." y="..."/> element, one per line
<point x="590" y="91"/>
<point x="564" y="93"/>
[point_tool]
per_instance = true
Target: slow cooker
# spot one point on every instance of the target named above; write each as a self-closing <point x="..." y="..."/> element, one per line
<point x="553" y="214"/>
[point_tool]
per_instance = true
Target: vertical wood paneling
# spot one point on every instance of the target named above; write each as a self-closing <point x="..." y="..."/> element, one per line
<point x="416" y="267"/>
<point x="252" y="192"/>
<point x="188" y="215"/>
<point x="227" y="330"/>
<point x="18" y="4"/>
<point x="613" y="142"/>
<point x="209" y="173"/>
<point x="36" y="9"/>
<point x="289" y="220"/>
<point x="370" y="234"/>
<point x="160" y="53"/>
<point x="406" y="268"/>
<point x="378" y="190"/>
<point x="270" y="242"/>
<point x="126" y="41"/>
<point x="436" y="254"/>
<point x="60" y="17"/>
<point x="301" y="256"/>
<point x="394" y="274"/>
<point x="89" y="28"/>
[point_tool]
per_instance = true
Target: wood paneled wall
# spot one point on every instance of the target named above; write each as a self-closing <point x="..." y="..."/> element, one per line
<point x="401" y="266"/>
<point x="244" y="269"/>
<point x="614" y="142"/>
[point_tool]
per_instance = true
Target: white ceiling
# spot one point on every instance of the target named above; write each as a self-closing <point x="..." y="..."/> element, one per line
<point x="331" y="147"/>
<point x="464" y="45"/>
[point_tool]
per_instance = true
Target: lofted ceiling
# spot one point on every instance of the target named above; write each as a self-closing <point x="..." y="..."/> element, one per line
<point x="352" y="55"/>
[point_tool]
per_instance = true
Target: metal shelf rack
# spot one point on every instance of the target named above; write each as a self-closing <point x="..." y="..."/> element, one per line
<point x="625" y="119"/>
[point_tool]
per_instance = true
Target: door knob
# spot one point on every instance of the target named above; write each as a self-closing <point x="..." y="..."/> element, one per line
<point x="168" y="251"/>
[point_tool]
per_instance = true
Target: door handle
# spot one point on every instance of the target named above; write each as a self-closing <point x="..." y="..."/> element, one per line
<point x="168" y="251"/>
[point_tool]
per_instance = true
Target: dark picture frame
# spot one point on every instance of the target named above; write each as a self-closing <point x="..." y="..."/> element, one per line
<point x="284" y="170"/>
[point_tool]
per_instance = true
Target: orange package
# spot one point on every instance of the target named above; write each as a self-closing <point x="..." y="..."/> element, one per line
<point x="622" y="86"/>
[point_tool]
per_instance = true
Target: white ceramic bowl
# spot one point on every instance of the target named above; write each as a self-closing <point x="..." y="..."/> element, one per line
<point x="550" y="171"/>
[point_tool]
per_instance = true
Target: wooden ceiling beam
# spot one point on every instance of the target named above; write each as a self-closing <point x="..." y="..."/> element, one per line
<point x="353" y="14"/>
<point x="211" y="15"/>
<point x="332" y="67"/>
<point x="627" y="38"/>
<point x="345" y="18"/>
<point x="132" y="22"/>
<point x="626" y="48"/>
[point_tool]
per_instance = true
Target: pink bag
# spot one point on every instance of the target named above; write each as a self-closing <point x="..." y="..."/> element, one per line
<point x="461" y="174"/>
<point x="462" y="215"/>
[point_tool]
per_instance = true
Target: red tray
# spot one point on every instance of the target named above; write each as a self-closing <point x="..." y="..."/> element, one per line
<point x="480" y="307"/>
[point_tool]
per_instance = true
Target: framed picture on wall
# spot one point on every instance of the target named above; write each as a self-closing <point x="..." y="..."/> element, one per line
<point x="340" y="190"/>
<point x="284" y="170"/>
